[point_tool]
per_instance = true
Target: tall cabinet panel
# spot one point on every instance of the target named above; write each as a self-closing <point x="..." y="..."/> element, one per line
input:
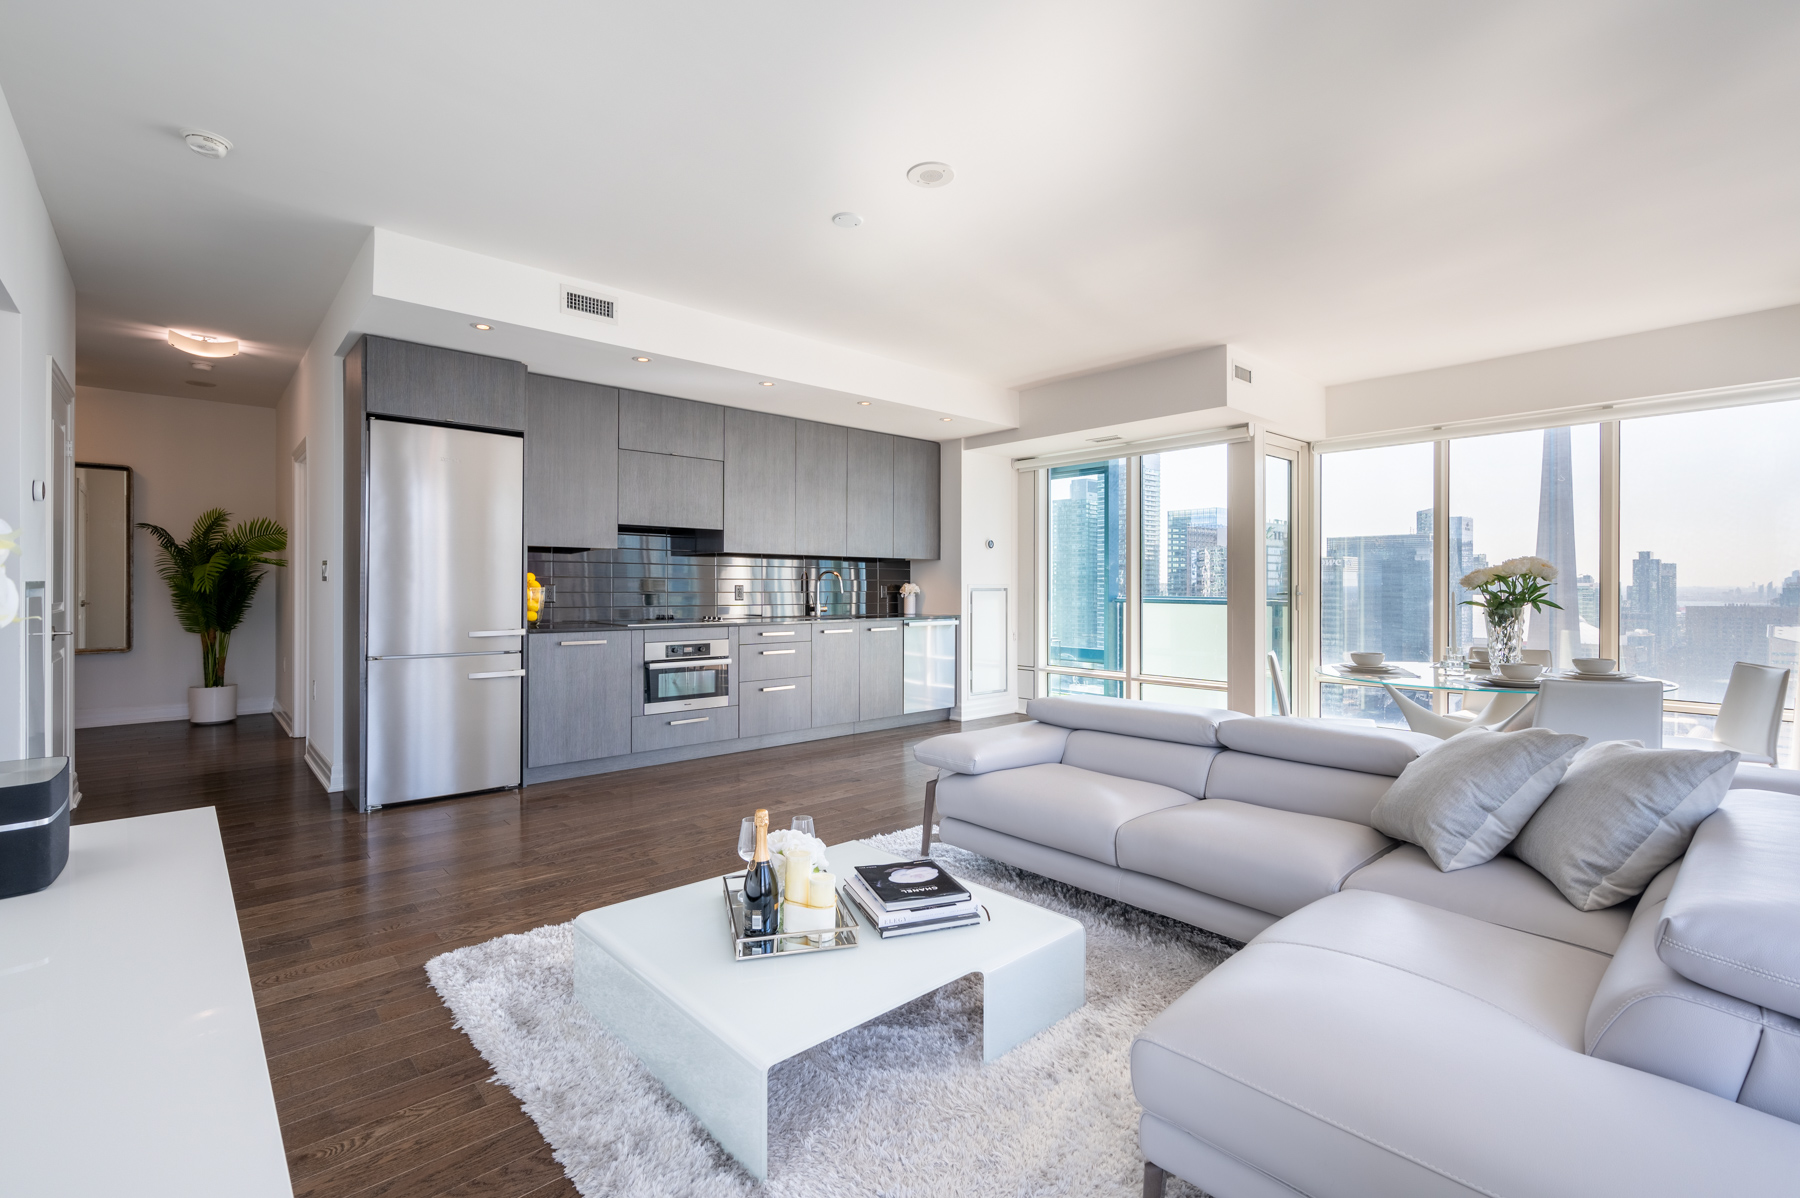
<point x="836" y="673"/>
<point x="821" y="497"/>
<point x="871" y="494"/>
<point x="916" y="500"/>
<point x="759" y="482"/>
<point x="580" y="696"/>
<point x="571" y="464"/>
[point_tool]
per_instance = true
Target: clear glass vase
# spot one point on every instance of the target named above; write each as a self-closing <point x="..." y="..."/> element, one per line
<point x="1506" y="638"/>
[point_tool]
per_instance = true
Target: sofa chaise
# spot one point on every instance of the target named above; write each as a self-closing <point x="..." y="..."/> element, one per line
<point x="1391" y="1028"/>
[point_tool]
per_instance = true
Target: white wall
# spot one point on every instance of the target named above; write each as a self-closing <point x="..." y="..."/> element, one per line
<point x="1755" y="348"/>
<point x="186" y="455"/>
<point x="978" y="496"/>
<point x="37" y="326"/>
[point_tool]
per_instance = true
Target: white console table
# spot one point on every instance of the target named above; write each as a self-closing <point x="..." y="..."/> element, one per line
<point x="131" y="1061"/>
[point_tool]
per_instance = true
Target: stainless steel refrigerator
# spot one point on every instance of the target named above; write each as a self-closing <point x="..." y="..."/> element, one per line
<point x="444" y="597"/>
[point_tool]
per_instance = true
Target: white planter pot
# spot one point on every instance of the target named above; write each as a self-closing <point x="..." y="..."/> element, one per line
<point x="212" y="704"/>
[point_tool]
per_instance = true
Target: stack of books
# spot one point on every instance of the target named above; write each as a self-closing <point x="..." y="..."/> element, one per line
<point x="911" y="896"/>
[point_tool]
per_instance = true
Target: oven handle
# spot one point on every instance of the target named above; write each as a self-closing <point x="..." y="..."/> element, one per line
<point x="697" y="664"/>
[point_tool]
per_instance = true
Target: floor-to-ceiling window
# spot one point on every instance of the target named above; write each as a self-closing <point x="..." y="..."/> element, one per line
<point x="1088" y="574"/>
<point x="1278" y="569"/>
<point x="1709" y="547"/>
<point x="1182" y="614"/>
<point x="1530" y="494"/>
<point x="1375" y="569"/>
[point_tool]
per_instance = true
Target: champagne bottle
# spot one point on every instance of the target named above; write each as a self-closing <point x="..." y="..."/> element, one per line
<point x="759" y="890"/>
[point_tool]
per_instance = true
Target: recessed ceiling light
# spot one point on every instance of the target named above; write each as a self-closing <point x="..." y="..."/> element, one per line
<point x="846" y="220"/>
<point x="202" y="347"/>
<point x="640" y="359"/>
<point x="208" y="145"/>
<point x="862" y="403"/>
<point x="486" y="328"/>
<point x="945" y="419"/>
<point x="931" y="174"/>
<point x="199" y="383"/>
<point x="768" y="384"/>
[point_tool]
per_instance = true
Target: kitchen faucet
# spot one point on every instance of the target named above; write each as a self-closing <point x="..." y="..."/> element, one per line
<point x="814" y="608"/>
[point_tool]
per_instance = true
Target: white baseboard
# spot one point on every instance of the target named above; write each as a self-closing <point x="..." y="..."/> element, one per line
<point x="981" y="707"/>
<point x="282" y="718"/>
<point x="157" y="713"/>
<point x="319" y="764"/>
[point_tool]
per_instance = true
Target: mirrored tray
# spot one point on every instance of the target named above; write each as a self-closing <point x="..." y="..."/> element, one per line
<point x="787" y="944"/>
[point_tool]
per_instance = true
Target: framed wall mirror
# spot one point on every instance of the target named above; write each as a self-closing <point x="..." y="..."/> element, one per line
<point x="102" y="558"/>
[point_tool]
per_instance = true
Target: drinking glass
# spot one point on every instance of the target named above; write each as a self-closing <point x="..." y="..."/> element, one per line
<point x="803" y="823"/>
<point x="1454" y="663"/>
<point x="747" y="838"/>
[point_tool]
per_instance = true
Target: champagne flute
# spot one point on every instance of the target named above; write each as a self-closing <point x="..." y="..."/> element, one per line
<point x="747" y="838"/>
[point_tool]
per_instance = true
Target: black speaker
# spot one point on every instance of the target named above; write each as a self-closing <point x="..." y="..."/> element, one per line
<point x="34" y="823"/>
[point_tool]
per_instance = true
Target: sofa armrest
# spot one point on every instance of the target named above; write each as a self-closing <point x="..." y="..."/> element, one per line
<point x="1765" y="777"/>
<point x="1009" y="747"/>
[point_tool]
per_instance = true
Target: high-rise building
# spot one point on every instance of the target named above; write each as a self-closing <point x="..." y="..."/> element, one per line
<point x="1150" y="520"/>
<point x="1558" y="630"/>
<point x="1789" y="595"/>
<point x="1463" y="559"/>
<point x="1375" y="594"/>
<point x="1195" y="566"/>
<point x="1276" y="566"/>
<point x="1087" y="564"/>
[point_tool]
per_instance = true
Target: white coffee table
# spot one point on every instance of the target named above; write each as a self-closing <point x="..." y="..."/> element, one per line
<point x="659" y="974"/>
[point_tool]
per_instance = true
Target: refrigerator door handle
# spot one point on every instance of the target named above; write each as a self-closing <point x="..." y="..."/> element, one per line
<point x="501" y="632"/>
<point x="498" y="674"/>
<point x="424" y="656"/>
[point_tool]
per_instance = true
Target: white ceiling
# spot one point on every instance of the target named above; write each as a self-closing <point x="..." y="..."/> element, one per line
<point x="1352" y="189"/>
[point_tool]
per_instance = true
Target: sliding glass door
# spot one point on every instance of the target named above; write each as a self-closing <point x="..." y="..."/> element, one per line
<point x="1088" y="567"/>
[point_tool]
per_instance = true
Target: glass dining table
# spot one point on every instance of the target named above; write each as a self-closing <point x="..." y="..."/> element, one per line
<point x="1430" y="676"/>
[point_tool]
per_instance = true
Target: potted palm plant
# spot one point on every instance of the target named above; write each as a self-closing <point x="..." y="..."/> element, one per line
<point x="212" y="578"/>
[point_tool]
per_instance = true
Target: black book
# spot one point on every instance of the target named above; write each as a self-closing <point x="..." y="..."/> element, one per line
<point x="903" y="885"/>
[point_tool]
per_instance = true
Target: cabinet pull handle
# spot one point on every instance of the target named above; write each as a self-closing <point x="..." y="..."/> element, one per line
<point x="884" y="630"/>
<point x="699" y="719"/>
<point x="777" y="652"/>
<point x="500" y="632"/>
<point x="836" y="631"/>
<point x="790" y="686"/>
<point x="775" y="634"/>
<point x="498" y="674"/>
<point x="581" y="642"/>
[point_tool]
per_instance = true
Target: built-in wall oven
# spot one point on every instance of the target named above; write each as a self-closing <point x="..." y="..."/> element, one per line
<point x="686" y="675"/>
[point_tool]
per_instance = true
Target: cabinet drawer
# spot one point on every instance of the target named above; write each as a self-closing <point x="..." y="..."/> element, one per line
<point x="774" y="705"/>
<point x="774" y="659"/>
<point x="775" y="637"/>
<point x="677" y="728"/>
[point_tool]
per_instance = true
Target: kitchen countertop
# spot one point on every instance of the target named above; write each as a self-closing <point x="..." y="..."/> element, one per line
<point x="602" y="625"/>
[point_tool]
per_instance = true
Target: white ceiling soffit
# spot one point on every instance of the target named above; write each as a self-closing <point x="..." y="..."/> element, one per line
<point x="1356" y="190"/>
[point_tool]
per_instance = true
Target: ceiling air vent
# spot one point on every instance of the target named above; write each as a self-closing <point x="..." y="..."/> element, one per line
<point x="1108" y="437"/>
<point x="1242" y="373"/>
<point x="586" y="303"/>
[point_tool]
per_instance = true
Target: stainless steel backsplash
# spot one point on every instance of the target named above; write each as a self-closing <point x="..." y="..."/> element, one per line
<point x="644" y="579"/>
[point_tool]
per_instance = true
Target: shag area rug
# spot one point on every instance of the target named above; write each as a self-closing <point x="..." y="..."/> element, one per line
<point x="1055" y="1116"/>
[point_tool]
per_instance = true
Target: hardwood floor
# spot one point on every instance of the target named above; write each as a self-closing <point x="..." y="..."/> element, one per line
<point x="378" y="1095"/>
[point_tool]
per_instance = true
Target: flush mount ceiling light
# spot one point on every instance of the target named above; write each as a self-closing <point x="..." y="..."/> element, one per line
<point x="846" y="220"/>
<point x="640" y="359"/>
<point x="486" y="328"/>
<point x="207" y="145"/>
<point x="930" y="174"/>
<point x="202" y="347"/>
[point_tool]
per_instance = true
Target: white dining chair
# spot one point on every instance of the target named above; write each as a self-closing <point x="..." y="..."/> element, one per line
<point x="1281" y="695"/>
<point x="1750" y="717"/>
<point x="1597" y="710"/>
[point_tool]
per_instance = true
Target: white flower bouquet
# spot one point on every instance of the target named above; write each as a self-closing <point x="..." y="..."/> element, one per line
<point x="1509" y="588"/>
<point x="786" y="841"/>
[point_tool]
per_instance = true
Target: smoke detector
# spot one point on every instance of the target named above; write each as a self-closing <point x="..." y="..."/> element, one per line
<point x="209" y="145"/>
<point x="930" y="174"/>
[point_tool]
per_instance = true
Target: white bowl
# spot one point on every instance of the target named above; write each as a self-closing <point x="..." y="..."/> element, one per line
<point x="1478" y="654"/>
<point x="1594" y="665"/>
<point x="1367" y="659"/>
<point x="1520" y="671"/>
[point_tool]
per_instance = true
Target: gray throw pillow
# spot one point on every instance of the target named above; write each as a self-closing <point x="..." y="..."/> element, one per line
<point x="1622" y="814"/>
<point x="1464" y="801"/>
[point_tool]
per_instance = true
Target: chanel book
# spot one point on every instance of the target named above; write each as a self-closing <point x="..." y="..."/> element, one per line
<point x="903" y="885"/>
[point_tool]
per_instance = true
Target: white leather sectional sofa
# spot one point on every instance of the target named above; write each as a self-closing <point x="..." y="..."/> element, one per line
<point x="1392" y="1029"/>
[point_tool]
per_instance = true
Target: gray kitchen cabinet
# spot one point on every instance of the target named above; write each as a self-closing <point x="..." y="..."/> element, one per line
<point x="677" y="728"/>
<point x="821" y="489"/>
<point x="663" y="424"/>
<point x="882" y="666"/>
<point x="916" y="469"/>
<point x="423" y="382"/>
<point x="836" y="673"/>
<point x="773" y="660"/>
<point x="759" y="482"/>
<point x="571" y="464"/>
<point x="661" y="490"/>
<point x="578" y="696"/>
<point x="774" y="705"/>
<point x="870" y="494"/>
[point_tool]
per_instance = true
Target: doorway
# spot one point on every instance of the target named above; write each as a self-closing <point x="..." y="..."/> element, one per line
<point x="300" y="554"/>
